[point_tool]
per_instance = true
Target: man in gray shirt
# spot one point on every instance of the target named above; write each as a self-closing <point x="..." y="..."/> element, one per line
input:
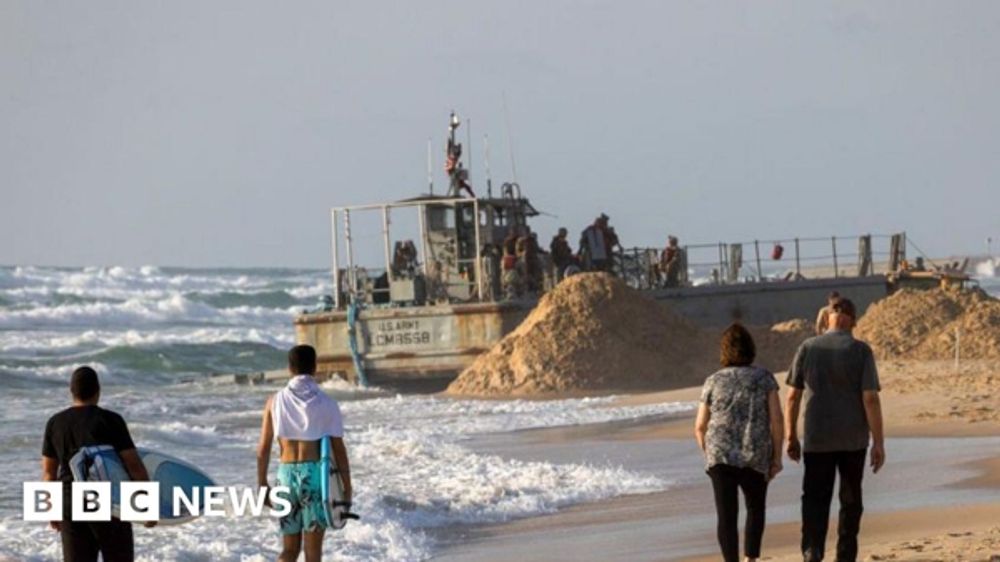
<point x="833" y="378"/>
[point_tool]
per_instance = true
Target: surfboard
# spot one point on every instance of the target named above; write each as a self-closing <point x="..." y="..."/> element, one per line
<point x="100" y="463"/>
<point x="336" y="509"/>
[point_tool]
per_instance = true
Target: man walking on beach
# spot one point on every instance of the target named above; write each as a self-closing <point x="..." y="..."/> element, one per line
<point x="835" y="376"/>
<point x="300" y="415"/>
<point x="84" y="424"/>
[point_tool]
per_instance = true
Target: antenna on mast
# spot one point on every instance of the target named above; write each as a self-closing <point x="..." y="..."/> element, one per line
<point x="510" y="142"/>
<point x="486" y="160"/>
<point x="430" y="167"/>
<point x="468" y="143"/>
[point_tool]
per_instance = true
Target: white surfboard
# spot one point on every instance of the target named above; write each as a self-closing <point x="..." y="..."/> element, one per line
<point x="100" y="463"/>
<point x="337" y="510"/>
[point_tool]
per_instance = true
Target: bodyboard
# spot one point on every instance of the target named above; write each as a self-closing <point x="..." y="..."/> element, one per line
<point x="100" y="463"/>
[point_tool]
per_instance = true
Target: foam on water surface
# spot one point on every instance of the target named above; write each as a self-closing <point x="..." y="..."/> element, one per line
<point x="414" y="460"/>
<point x="412" y="464"/>
<point x="988" y="277"/>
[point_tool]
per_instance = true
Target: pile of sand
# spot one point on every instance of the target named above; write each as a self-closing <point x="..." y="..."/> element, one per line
<point x="924" y="325"/>
<point x="776" y="345"/>
<point x="593" y="333"/>
<point x="794" y="326"/>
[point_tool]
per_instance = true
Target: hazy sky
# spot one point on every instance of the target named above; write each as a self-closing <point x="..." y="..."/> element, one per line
<point x="220" y="133"/>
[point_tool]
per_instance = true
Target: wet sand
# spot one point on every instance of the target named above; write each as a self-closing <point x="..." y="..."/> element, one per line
<point x="938" y="498"/>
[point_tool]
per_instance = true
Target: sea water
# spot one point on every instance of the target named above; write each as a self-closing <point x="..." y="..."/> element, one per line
<point x="155" y="334"/>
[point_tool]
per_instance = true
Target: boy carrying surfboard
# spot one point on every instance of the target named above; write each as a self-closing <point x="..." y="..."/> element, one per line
<point x="85" y="424"/>
<point x="302" y="416"/>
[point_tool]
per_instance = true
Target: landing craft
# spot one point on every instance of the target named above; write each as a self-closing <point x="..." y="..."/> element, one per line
<point x="439" y="299"/>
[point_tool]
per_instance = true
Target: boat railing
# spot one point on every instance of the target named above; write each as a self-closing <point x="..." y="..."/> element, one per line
<point x="783" y="259"/>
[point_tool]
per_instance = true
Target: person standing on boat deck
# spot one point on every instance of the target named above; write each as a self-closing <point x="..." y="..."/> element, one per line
<point x="739" y="428"/>
<point x="300" y="414"/>
<point x="527" y="259"/>
<point x="511" y="276"/>
<point x="671" y="262"/>
<point x="614" y="247"/>
<point x="81" y="425"/>
<point x="533" y="262"/>
<point x="595" y="246"/>
<point x="562" y="253"/>
<point x="834" y="379"/>
<point x="823" y="317"/>
<point x="510" y="242"/>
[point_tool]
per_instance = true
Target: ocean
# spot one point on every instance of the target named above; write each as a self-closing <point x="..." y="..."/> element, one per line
<point x="156" y="334"/>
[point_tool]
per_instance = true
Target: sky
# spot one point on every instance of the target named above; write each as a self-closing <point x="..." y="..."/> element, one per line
<point x="221" y="133"/>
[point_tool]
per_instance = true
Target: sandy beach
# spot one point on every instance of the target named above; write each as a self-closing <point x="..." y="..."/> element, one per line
<point x="936" y="416"/>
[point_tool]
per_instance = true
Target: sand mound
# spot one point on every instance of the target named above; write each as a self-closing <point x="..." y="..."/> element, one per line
<point x="593" y="333"/>
<point x="776" y="346"/>
<point x="793" y="326"/>
<point x="922" y="325"/>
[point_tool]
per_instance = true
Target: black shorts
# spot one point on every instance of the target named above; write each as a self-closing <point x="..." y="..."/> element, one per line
<point x="82" y="541"/>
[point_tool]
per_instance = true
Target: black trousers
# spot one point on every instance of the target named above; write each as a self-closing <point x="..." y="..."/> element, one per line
<point x="817" y="492"/>
<point x="726" y="481"/>
<point x="82" y="541"/>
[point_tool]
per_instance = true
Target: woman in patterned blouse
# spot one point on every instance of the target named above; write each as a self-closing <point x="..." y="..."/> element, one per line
<point x="740" y="429"/>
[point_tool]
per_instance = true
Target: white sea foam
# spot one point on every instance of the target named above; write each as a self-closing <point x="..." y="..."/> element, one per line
<point x="180" y="433"/>
<point x="143" y="306"/>
<point x="119" y="283"/>
<point x="82" y="344"/>
<point x="50" y="371"/>
<point x="988" y="275"/>
<point x="175" y="309"/>
<point x="340" y="388"/>
<point x="475" y="417"/>
<point x="413" y="472"/>
<point x="311" y="291"/>
<point x="988" y="268"/>
<point x="442" y="483"/>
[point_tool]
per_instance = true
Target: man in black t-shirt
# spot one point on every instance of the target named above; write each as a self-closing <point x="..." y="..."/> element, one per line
<point x="84" y="424"/>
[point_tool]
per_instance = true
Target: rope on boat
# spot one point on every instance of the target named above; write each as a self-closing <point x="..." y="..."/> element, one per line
<point x="352" y="336"/>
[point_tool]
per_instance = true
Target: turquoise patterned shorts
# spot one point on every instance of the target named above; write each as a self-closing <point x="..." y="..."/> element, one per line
<point x="305" y="495"/>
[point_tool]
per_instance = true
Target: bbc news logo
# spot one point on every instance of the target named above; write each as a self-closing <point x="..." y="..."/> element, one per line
<point x="140" y="501"/>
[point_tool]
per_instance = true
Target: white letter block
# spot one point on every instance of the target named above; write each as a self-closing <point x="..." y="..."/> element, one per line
<point x="140" y="501"/>
<point x="91" y="501"/>
<point x="43" y="501"/>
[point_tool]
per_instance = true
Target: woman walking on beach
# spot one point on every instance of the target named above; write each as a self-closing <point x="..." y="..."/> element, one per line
<point x="740" y="429"/>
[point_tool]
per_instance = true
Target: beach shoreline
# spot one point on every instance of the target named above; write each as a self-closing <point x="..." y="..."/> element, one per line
<point x="952" y="516"/>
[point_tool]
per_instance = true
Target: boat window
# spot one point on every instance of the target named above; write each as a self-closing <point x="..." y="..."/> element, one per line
<point x="440" y="218"/>
<point x="467" y="217"/>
